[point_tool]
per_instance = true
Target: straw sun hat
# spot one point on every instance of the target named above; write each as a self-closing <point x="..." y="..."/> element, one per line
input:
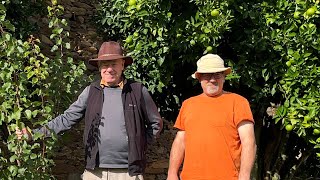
<point x="211" y="63"/>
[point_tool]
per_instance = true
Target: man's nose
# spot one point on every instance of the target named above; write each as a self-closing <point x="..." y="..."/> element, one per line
<point x="109" y="68"/>
<point x="212" y="79"/>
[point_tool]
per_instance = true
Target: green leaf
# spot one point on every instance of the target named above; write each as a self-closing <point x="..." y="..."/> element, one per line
<point x="2" y="8"/>
<point x="7" y="36"/>
<point x="160" y="61"/>
<point x="35" y="80"/>
<point x="30" y="74"/>
<point x="28" y="114"/>
<point x="54" y="48"/>
<point x="35" y="113"/>
<point x="17" y="114"/>
<point x="21" y="171"/>
<point x="13" y="158"/>
<point x="142" y="13"/>
<point x="281" y="111"/>
<point x="26" y="151"/>
<point x="286" y="103"/>
<point x="33" y="156"/>
<point x="48" y="109"/>
<point x="68" y="46"/>
<point x="13" y="170"/>
<point x="9" y="26"/>
<point x="64" y="22"/>
<point x="273" y="90"/>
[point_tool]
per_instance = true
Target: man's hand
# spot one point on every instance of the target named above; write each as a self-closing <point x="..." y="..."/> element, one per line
<point x="23" y="132"/>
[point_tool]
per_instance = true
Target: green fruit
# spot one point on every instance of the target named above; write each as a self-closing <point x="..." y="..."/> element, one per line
<point x="296" y="15"/>
<point x="307" y="118"/>
<point x="289" y="127"/>
<point x="132" y="2"/>
<point x="202" y="37"/>
<point x="54" y="2"/>
<point x="288" y="63"/>
<point x="316" y="131"/>
<point x="135" y="34"/>
<point x="129" y="39"/>
<point x="311" y="11"/>
<point x="138" y="7"/>
<point x="209" y="48"/>
<point x="192" y="42"/>
<point x="214" y="13"/>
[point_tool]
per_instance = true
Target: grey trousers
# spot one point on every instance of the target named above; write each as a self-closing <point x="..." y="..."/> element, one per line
<point x="109" y="174"/>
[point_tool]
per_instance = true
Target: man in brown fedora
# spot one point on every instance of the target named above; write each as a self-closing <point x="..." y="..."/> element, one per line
<point x="216" y="133"/>
<point x="120" y="119"/>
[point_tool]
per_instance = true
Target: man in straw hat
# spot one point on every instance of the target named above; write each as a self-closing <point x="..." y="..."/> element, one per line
<point x="120" y="119"/>
<point x="216" y="130"/>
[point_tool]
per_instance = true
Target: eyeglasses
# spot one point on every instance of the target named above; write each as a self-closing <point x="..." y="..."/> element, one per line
<point x="209" y="76"/>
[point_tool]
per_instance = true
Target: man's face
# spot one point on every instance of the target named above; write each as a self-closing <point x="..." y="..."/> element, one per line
<point x="212" y="83"/>
<point x="111" y="71"/>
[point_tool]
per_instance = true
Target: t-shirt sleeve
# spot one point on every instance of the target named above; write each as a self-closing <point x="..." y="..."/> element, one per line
<point x="179" y="124"/>
<point x="242" y="111"/>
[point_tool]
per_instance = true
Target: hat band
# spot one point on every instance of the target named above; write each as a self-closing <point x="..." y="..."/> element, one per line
<point x="104" y="55"/>
<point x="211" y="68"/>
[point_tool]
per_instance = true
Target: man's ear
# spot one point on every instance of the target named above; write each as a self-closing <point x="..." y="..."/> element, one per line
<point x="197" y="75"/>
<point x="123" y="62"/>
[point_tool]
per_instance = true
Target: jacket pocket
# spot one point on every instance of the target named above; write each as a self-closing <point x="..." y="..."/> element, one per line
<point x="137" y="148"/>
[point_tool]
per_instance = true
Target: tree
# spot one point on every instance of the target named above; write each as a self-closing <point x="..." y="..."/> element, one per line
<point x="31" y="88"/>
<point x="272" y="46"/>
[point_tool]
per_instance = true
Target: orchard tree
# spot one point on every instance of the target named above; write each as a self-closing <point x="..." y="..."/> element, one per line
<point x="272" y="46"/>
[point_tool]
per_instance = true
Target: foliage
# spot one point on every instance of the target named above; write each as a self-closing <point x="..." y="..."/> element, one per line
<point x="30" y="85"/>
<point x="23" y="10"/>
<point x="283" y="70"/>
<point x="159" y="38"/>
<point x="295" y="37"/>
<point x="272" y="46"/>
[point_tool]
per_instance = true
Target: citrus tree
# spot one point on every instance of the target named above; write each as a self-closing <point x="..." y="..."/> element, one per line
<point x="163" y="35"/>
<point x="277" y="54"/>
<point x="31" y="88"/>
<point x="272" y="46"/>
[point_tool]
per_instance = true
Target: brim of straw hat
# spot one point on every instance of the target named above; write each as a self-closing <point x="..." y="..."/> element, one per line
<point x="226" y="71"/>
<point x="128" y="59"/>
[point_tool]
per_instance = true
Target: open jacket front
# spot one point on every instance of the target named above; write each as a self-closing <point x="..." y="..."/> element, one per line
<point x="136" y="121"/>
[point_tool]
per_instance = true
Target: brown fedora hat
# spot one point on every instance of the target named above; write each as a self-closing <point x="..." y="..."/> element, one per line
<point x="110" y="51"/>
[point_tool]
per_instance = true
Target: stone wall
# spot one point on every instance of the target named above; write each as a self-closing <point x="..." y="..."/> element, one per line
<point x="83" y="36"/>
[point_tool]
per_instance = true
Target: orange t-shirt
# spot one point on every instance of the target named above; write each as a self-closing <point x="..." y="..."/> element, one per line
<point x="212" y="142"/>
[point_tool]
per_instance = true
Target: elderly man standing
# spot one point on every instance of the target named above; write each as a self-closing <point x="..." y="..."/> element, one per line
<point x="216" y="130"/>
<point x="120" y="118"/>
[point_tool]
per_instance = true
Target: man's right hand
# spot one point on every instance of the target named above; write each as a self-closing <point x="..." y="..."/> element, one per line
<point x="23" y="132"/>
